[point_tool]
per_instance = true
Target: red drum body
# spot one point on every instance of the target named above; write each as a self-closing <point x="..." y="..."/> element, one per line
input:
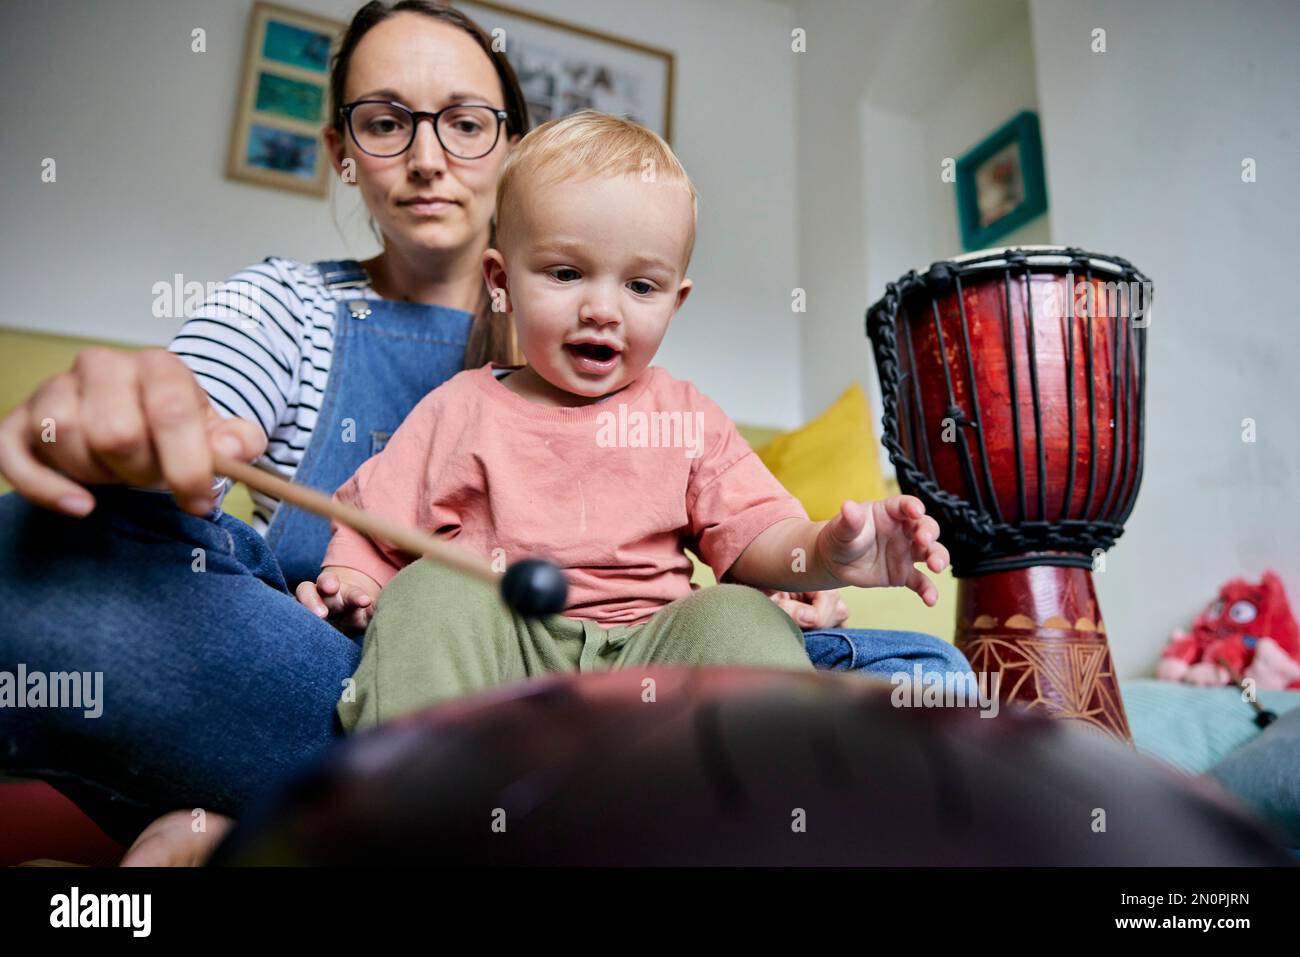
<point x="1012" y="386"/>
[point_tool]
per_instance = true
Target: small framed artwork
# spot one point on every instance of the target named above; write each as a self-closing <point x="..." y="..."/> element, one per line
<point x="1000" y="183"/>
<point x="283" y="99"/>
<point x="564" y="68"/>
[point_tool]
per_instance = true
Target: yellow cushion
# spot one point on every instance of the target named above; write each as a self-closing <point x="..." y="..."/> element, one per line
<point x="830" y="459"/>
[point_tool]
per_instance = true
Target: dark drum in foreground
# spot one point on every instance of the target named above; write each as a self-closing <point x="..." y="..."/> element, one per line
<point x="680" y="766"/>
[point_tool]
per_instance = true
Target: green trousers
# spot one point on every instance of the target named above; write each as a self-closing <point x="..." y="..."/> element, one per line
<point x="438" y="634"/>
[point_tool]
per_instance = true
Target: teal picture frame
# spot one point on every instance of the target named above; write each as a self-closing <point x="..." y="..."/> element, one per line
<point x="978" y="229"/>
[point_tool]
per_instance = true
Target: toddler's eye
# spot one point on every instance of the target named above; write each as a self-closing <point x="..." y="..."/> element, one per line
<point x="641" y="287"/>
<point x="564" y="274"/>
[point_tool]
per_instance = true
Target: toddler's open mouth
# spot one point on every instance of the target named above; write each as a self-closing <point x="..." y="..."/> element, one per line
<point x="591" y="358"/>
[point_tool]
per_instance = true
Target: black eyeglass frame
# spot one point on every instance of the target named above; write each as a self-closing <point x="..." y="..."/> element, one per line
<point x="502" y="116"/>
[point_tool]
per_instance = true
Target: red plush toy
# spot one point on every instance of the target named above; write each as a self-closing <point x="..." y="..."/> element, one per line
<point x="1251" y="628"/>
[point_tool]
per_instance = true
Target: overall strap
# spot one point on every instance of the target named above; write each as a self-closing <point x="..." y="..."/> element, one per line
<point x="342" y="273"/>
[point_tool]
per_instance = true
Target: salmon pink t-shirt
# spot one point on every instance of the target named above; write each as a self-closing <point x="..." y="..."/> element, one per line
<point x="611" y="491"/>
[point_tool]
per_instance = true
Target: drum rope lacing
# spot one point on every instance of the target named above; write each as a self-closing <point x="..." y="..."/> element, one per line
<point x="981" y="541"/>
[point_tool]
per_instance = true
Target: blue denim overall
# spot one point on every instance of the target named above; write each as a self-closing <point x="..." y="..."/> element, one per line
<point x="216" y="682"/>
<point x="387" y="357"/>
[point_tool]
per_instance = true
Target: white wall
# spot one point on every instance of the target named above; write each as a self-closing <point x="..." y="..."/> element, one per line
<point x="887" y="90"/>
<point x="1144" y="145"/>
<point x="845" y="40"/>
<point x="139" y="125"/>
<point x="994" y="83"/>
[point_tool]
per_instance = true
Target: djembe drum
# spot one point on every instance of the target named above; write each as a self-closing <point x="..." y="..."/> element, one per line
<point x="1012" y="385"/>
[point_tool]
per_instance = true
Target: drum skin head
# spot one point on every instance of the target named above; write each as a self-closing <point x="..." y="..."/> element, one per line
<point x="735" y="766"/>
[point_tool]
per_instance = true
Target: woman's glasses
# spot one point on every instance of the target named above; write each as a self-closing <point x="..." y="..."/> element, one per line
<point x="382" y="128"/>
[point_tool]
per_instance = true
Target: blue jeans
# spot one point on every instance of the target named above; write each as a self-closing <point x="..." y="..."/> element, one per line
<point x="216" y="682"/>
<point x="882" y="654"/>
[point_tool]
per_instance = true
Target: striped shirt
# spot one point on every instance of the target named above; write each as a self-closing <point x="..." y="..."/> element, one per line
<point x="260" y="346"/>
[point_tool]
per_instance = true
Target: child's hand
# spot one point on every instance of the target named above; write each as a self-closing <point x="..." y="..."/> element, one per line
<point x="343" y="596"/>
<point x="869" y="544"/>
<point x="813" y="609"/>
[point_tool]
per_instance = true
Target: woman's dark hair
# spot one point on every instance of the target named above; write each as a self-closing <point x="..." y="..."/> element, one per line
<point x="490" y="335"/>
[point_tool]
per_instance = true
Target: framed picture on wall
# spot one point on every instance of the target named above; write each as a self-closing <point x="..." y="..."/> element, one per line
<point x="1000" y="182"/>
<point x="564" y="68"/>
<point x="283" y="99"/>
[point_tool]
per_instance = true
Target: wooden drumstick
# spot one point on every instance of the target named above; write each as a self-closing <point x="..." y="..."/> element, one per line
<point x="532" y="587"/>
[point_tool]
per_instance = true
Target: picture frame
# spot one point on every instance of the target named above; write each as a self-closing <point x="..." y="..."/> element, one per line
<point x="283" y="100"/>
<point x="1000" y="182"/>
<point x="564" y="67"/>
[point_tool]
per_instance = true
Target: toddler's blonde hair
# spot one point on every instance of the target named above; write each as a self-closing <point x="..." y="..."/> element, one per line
<point x="588" y="144"/>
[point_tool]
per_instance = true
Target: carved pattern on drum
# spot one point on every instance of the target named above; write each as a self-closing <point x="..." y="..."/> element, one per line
<point x="1064" y="677"/>
<point x="987" y="622"/>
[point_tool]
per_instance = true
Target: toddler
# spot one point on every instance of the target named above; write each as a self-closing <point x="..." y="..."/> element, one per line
<point x="591" y="457"/>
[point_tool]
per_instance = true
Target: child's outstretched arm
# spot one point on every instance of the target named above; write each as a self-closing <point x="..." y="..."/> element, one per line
<point x="868" y="544"/>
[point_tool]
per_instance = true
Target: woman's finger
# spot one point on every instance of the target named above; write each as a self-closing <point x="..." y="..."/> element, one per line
<point x="238" y="438"/>
<point x="112" y="420"/>
<point x="33" y="480"/>
<point x="177" y="412"/>
<point x="56" y="430"/>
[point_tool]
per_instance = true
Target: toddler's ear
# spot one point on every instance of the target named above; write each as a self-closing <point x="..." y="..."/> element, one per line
<point x="683" y="291"/>
<point x="494" y="274"/>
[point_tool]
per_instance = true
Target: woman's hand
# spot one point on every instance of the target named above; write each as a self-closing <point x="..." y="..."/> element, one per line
<point x="813" y="609"/>
<point x="119" y="417"/>
<point x="343" y="596"/>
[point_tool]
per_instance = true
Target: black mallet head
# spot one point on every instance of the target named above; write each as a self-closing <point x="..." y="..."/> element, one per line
<point x="534" y="588"/>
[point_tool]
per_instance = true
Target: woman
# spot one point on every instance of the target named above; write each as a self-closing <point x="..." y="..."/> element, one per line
<point x="216" y="681"/>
